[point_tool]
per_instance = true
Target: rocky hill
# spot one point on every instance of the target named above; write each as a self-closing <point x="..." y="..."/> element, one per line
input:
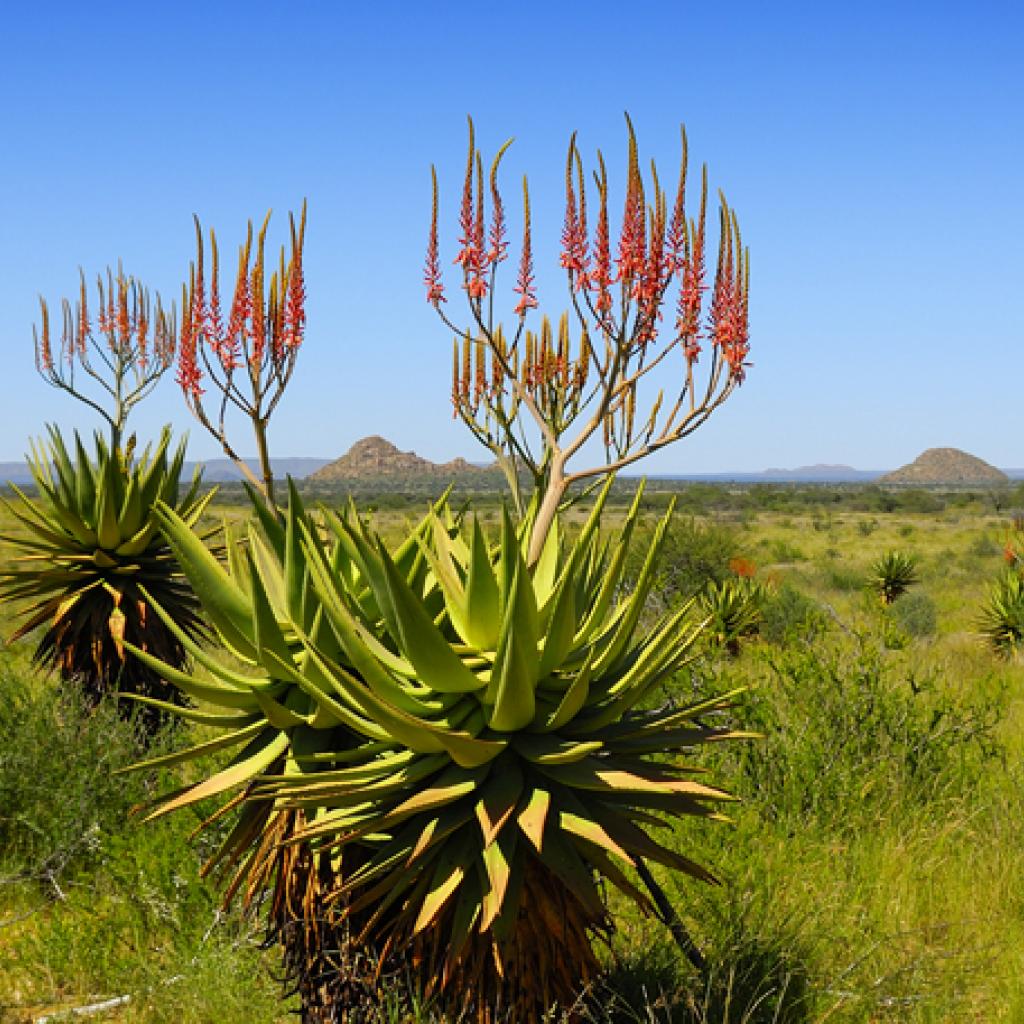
<point x="945" y="466"/>
<point x="375" y="457"/>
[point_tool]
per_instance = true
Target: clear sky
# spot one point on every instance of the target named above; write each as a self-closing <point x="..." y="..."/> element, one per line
<point x="873" y="151"/>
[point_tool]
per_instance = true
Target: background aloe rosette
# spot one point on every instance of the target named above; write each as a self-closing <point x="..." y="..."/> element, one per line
<point x="90" y="547"/>
<point x="468" y="744"/>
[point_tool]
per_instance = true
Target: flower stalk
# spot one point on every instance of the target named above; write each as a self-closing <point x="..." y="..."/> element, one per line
<point x="113" y="360"/>
<point x="249" y="359"/>
<point x="545" y="400"/>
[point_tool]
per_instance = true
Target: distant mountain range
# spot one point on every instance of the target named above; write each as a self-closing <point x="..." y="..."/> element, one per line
<point x="375" y="456"/>
<point x="215" y="471"/>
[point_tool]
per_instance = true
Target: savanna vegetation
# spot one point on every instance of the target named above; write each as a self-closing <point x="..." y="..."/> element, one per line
<point x="584" y="753"/>
<point x="869" y="873"/>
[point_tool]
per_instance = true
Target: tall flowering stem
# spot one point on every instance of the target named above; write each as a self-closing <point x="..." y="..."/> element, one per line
<point x="247" y="360"/>
<point x="112" y="360"/>
<point x="615" y="370"/>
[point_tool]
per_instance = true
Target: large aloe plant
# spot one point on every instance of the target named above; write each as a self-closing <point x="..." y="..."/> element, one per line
<point x="475" y="736"/>
<point x="90" y="546"/>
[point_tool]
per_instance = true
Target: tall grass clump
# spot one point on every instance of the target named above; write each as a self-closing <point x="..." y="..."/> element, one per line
<point x="59" y="796"/>
<point x="95" y="905"/>
<point x="849" y="733"/>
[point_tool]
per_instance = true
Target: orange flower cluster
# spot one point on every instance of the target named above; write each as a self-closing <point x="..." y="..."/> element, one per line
<point x="654" y="249"/>
<point x="265" y="325"/>
<point x="742" y="567"/>
<point x="617" y="292"/>
<point x="135" y="338"/>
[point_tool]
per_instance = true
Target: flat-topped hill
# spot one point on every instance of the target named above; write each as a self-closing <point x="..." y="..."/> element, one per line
<point x="946" y="466"/>
<point x="377" y="457"/>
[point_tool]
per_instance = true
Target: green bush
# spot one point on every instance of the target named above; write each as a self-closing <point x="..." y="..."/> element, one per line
<point x="789" y="616"/>
<point x="914" y="614"/>
<point x="842" y="578"/>
<point x="780" y="550"/>
<point x="59" y="798"/>
<point x="695" y="555"/>
<point x="850" y="735"/>
<point x="112" y="906"/>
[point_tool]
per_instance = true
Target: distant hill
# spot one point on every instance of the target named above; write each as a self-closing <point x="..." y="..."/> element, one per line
<point x="946" y="466"/>
<point x="215" y="471"/>
<point x="375" y="457"/>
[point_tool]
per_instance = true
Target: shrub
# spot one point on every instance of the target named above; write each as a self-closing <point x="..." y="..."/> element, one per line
<point x="839" y="577"/>
<point x="59" y="798"/>
<point x="914" y="614"/>
<point x="783" y="551"/>
<point x="790" y="616"/>
<point x="695" y="555"/>
<point x="849" y="733"/>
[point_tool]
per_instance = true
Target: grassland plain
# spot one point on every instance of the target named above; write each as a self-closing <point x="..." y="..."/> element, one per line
<point x="871" y="872"/>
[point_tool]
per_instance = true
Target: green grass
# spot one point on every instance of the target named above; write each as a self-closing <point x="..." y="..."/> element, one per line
<point x="871" y="872"/>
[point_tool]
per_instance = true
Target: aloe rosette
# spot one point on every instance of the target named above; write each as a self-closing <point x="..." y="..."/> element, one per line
<point x="88" y="548"/>
<point x="474" y="735"/>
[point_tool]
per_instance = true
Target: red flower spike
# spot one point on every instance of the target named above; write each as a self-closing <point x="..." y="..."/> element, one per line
<point x="189" y="375"/>
<point x="676" y="239"/>
<point x="692" y="287"/>
<point x="466" y="213"/>
<point x="571" y="229"/>
<point x="123" y="321"/>
<point x="111" y="316"/>
<point x="83" y="316"/>
<point x="476" y="259"/>
<point x="524" y="283"/>
<point x="197" y="309"/>
<point x="141" y="331"/>
<point x="601" y="277"/>
<point x="295" y="303"/>
<point x="432" y="269"/>
<point x="257" y="299"/>
<point x="498" y="245"/>
<point x="456" y="381"/>
<point x="632" y="243"/>
<point x="43" y="354"/>
<point x="215" y="321"/>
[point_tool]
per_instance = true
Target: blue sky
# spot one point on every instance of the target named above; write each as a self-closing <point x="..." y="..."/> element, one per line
<point x="874" y="153"/>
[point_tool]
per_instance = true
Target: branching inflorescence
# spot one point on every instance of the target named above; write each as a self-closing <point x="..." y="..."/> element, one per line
<point x="249" y="356"/>
<point x="580" y="380"/>
<point x="124" y="351"/>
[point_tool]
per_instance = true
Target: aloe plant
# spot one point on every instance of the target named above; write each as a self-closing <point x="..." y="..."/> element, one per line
<point x="443" y="751"/>
<point x="90" y="548"/>
<point x="1002" y="618"/>
<point x="478" y="742"/>
<point x="892" y="575"/>
<point x="733" y="609"/>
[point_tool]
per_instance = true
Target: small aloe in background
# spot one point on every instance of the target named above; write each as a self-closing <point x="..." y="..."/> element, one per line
<point x="733" y="609"/>
<point x="1001" y="621"/>
<point x="892" y="575"/>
